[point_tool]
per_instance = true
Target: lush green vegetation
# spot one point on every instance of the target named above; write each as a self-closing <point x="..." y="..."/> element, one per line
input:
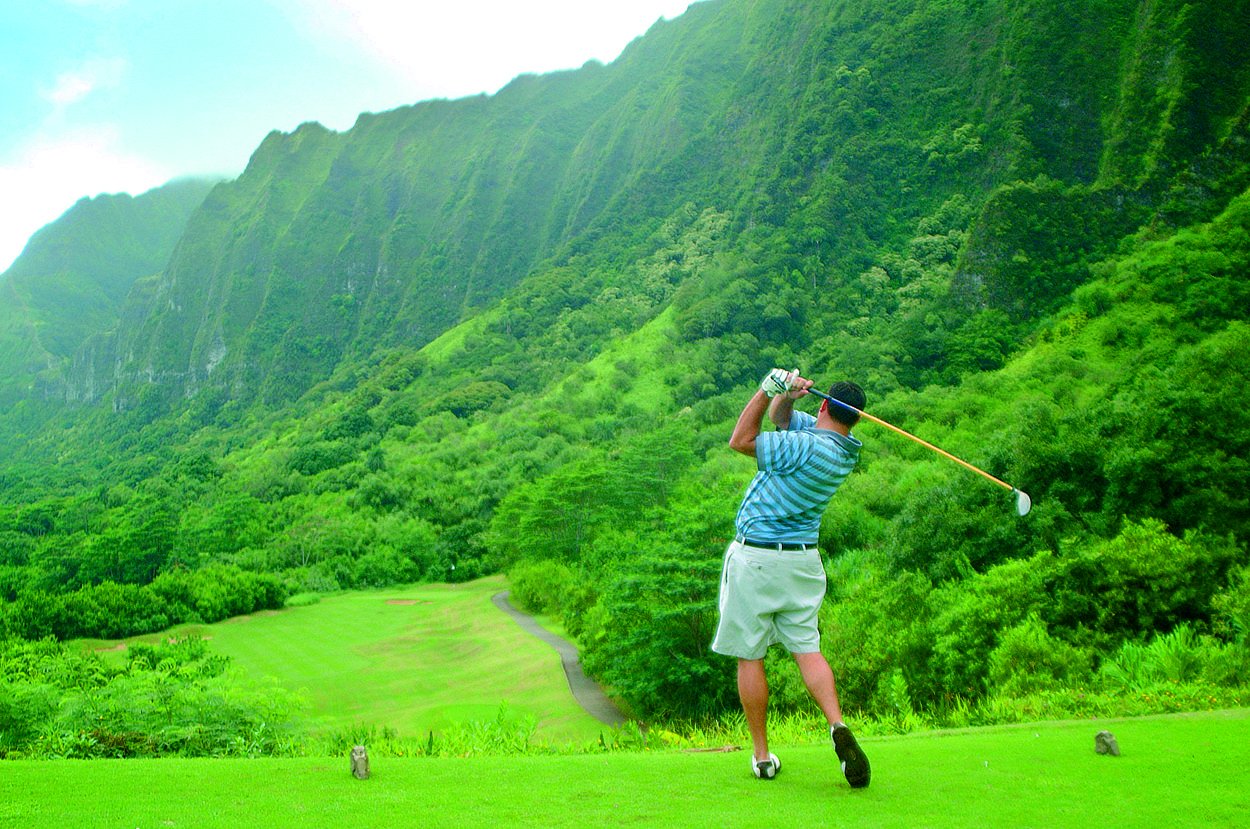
<point x="511" y="334"/>
<point x="168" y="699"/>
<point x="438" y="671"/>
<point x="433" y="670"/>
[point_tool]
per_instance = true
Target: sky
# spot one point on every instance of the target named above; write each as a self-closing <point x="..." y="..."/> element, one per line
<point x="120" y="96"/>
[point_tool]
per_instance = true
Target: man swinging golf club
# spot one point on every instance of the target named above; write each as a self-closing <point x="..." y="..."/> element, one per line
<point x="773" y="581"/>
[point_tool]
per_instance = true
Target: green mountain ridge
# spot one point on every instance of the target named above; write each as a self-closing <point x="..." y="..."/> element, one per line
<point x="330" y="245"/>
<point x="73" y="278"/>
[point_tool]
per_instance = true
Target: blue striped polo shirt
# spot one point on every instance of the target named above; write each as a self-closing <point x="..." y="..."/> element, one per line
<point x="800" y="469"/>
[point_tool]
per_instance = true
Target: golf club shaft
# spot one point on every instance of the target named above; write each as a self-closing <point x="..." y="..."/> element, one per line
<point x="910" y="436"/>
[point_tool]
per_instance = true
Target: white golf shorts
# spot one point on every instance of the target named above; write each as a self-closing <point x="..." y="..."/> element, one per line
<point x="769" y="597"/>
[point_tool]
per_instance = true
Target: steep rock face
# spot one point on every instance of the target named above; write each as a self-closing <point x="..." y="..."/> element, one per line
<point x="388" y="233"/>
<point x="330" y="245"/>
<point x="843" y="122"/>
<point x="73" y="278"/>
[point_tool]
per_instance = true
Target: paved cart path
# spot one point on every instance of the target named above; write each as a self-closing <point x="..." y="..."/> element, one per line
<point x="585" y="690"/>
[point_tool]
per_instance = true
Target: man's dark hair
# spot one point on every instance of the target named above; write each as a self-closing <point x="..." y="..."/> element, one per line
<point x="850" y="394"/>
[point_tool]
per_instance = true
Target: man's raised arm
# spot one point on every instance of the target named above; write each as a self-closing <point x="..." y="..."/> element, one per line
<point x="782" y="406"/>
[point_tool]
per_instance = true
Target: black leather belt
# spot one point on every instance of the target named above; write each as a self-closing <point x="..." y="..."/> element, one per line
<point x="774" y="545"/>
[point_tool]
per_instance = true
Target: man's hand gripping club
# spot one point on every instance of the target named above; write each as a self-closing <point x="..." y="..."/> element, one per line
<point x="778" y="391"/>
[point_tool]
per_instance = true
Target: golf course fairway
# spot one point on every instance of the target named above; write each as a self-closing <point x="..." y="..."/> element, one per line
<point x="412" y="659"/>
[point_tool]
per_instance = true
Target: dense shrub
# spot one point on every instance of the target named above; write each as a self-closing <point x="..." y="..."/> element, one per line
<point x="951" y="530"/>
<point x="114" y="611"/>
<point x="1179" y="657"/>
<point x="321" y="456"/>
<point x="466" y="400"/>
<point x="1144" y="580"/>
<point x="873" y="624"/>
<point x="383" y="567"/>
<point x="553" y="588"/>
<point x="541" y="586"/>
<point x="1054" y="613"/>
<point x="969" y="619"/>
<point x="169" y="699"/>
<point x="649" y="636"/>
<point x="1231" y="607"/>
<point x="1028" y="659"/>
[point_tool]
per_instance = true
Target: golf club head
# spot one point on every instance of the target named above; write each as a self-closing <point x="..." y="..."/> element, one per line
<point x="1023" y="502"/>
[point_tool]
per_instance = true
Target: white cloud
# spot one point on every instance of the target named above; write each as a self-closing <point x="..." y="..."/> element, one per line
<point x="97" y="73"/>
<point x="473" y="46"/>
<point x="42" y="183"/>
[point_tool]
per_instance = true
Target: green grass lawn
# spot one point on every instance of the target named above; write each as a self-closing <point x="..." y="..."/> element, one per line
<point x="1175" y="771"/>
<point x="413" y="659"/>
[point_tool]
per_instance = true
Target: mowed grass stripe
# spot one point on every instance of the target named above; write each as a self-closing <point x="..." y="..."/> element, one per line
<point x="1176" y="771"/>
<point x="414" y="659"/>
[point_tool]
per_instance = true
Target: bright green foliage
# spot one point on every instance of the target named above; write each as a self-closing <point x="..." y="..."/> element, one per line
<point x="1146" y="580"/>
<point x="170" y="699"/>
<point x="872" y="627"/>
<point x="1232" y="608"/>
<point x="1029" y="659"/>
<point x="1027" y="625"/>
<point x="542" y="586"/>
<point x="1035" y="241"/>
<point x="1199" y="403"/>
<point x="513" y="333"/>
<point x="651" y="637"/>
<point x="110" y="610"/>
<point x="560" y="517"/>
<point x="1177" y="658"/>
<point x="971" y="619"/>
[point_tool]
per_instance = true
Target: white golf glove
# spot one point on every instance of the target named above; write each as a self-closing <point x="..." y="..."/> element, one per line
<point x="778" y="381"/>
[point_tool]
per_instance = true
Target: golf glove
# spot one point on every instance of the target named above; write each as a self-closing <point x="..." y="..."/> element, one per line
<point x="778" y="381"/>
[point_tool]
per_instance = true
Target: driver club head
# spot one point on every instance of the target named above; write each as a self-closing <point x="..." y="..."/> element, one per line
<point x="1023" y="502"/>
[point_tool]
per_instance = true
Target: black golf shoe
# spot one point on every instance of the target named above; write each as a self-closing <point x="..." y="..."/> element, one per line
<point x="854" y="762"/>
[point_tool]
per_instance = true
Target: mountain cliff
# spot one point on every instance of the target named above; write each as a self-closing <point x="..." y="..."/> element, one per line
<point x="72" y="280"/>
<point x="847" y="125"/>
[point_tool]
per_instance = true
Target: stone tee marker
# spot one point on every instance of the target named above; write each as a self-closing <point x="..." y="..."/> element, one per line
<point x="360" y="763"/>
<point x="1104" y="743"/>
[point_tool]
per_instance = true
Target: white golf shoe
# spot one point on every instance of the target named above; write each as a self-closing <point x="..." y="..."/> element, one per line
<point x="766" y="769"/>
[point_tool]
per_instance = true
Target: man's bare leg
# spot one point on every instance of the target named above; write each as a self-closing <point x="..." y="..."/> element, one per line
<point x="818" y="677"/>
<point x="753" y="692"/>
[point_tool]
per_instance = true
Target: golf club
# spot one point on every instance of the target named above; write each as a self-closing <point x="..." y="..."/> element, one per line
<point x="1023" y="502"/>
